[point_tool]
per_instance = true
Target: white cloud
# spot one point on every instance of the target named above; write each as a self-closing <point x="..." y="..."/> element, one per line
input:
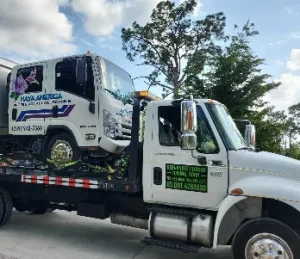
<point x="102" y="17"/>
<point x="296" y="35"/>
<point x="287" y="94"/>
<point x="291" y="11"/>
<point x="34" y="29"/>
<point x="294" y="62"/>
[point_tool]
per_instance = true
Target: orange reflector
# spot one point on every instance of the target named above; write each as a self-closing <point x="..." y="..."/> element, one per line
<point x="127" y="187"/>
<point x="91" y="149"/>
<point x="237" y="192"/>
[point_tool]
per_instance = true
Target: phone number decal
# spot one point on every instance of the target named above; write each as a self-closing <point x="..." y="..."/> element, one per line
<point x="28" y="128"/>
<point x="186" y="177"/>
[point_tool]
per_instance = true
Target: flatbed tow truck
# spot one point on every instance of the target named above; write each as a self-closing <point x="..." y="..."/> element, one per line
<point x="188" y="177"/>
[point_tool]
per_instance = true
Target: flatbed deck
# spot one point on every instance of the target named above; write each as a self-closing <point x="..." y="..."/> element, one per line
<point x="96" y="181"/>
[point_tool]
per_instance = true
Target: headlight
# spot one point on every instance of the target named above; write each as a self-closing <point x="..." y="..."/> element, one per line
<point x="110" y="123"/>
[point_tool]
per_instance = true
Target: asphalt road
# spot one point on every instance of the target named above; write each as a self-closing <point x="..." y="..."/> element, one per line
<point x="65" y="235"/>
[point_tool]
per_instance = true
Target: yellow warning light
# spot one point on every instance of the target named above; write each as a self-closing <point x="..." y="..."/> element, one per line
<point x="146" y="95"/>
<point x="88" y="52"/>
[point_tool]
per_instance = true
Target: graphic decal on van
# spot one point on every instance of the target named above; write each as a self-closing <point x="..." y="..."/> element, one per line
<point x="64" y="111"/>
<point x="20" y="85"/>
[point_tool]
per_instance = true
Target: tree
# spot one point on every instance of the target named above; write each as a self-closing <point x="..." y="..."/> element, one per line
<point x="271" y="128"/>
<point x="234" y="75"/>
<point x="171" y="39"/>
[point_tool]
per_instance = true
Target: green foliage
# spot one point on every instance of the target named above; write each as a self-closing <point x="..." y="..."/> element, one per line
<point x="234" y="76"/>
<point x="169" y="39"/>
<point x="270" y="129"/>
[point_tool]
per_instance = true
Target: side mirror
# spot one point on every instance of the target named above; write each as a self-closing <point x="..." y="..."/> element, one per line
<point x="250" y="135"/>
<point x="81" y="71"/>
<point x="188" y="125"/>
<point x="92" y="107"/>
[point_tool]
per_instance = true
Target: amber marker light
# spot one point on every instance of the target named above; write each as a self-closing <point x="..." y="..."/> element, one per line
<point x="237" y="192"/>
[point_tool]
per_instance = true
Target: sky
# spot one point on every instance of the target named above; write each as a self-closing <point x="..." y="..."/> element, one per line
<point x="34" y="30"/>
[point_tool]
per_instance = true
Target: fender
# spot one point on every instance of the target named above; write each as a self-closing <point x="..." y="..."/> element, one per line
<point x="71" y="128"/>
<point x="226" y="204"/>
<point x="273" y="186"/>
<point x="277" y="187"/>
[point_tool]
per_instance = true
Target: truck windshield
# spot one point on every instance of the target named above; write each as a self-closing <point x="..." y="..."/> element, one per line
<point x="226" y="127"/>
<point x="116" y="81"/>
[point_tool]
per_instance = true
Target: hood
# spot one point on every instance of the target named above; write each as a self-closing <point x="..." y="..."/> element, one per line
<point x="264" y="162"/>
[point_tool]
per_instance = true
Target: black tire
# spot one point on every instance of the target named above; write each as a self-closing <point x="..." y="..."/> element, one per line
<point x="264" y="225"/>
<point x="7" y="206"/>
<point x="63" y="137"/>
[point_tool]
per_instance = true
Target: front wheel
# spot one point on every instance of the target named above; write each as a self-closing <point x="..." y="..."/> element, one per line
<point x="62" y="151"/>
<point x="265" y="238"/>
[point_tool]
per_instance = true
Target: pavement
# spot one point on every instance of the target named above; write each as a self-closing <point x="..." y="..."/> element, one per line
<point x="65" y="235"/>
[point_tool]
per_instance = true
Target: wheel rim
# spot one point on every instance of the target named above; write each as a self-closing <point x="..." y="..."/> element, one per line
<point x="61" y="152"/>
<point x="267" y="246"/>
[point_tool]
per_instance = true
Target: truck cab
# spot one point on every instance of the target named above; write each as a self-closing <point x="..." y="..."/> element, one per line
<point x="71" y="105"/>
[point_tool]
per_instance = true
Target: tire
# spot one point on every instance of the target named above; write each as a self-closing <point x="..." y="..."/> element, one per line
<point x="7" y="206"/>
<point x="267" y="228"/>
<point x="65" y="139"/>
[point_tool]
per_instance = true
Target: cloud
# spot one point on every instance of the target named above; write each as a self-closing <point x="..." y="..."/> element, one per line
<point x="291" y="11"/>
<point x="295" y="35"/>
<point x="34" y="29"/>
<point x="294" y="62"/>
<point x="287" y="94"/>
<point x="102" y="17"/>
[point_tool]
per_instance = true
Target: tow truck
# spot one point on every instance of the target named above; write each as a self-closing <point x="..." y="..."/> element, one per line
<point x="188" y="176"/>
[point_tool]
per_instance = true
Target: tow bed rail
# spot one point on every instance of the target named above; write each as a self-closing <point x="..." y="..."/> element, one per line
<point x="31" y="177"/>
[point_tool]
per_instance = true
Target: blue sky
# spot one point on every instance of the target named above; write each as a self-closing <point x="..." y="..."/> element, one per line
<point x="45" y="29"/>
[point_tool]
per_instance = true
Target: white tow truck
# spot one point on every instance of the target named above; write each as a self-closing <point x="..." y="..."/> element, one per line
<point x="190" y="179"/>
<point x="66" y="109"/>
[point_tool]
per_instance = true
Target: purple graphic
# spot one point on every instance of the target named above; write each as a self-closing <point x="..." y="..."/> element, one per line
<point x="19" y="85"/>
<point x="64" y="111"/>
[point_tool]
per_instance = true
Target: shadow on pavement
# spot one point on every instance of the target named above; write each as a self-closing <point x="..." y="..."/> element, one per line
<point x="66" y="235"/>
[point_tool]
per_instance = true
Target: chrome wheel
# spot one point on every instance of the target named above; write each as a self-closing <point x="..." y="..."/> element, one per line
<point x="61" y="152"/>
<point x="267" y="246"/>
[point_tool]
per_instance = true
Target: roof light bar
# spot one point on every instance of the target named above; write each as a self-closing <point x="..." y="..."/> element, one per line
<point x="145" y="95"/>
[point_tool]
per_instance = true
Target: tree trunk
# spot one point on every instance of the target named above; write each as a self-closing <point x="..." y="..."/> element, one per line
<point x="176" y="92"/>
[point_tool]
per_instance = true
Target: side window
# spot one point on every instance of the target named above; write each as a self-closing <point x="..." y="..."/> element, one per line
<point x="206" y="140"/>
<point x="169" y="125"/>
<point x="29" y="80"/>
<point x="66" y="79"/>
<point x="169" y="129"/>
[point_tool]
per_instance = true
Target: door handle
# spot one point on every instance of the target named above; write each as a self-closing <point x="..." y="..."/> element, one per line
<point x="55" y="111"/>
<point x="217" y="163"/>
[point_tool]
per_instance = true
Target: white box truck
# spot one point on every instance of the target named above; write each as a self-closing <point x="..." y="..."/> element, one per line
<point x="65" y="110"/>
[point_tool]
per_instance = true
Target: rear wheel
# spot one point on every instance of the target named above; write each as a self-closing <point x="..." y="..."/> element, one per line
<point x="6" y="206"/>
<point x="62" y="150"/>
<point x="265" y="238"/>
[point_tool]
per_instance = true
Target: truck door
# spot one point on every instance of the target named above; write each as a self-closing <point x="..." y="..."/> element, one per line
<point x="26" y="100"/>
<point x="75" y="102"/>
<point x="178" y="177"/>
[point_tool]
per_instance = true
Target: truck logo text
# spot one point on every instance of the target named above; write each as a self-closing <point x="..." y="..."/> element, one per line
<point x="40" y="97"/>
